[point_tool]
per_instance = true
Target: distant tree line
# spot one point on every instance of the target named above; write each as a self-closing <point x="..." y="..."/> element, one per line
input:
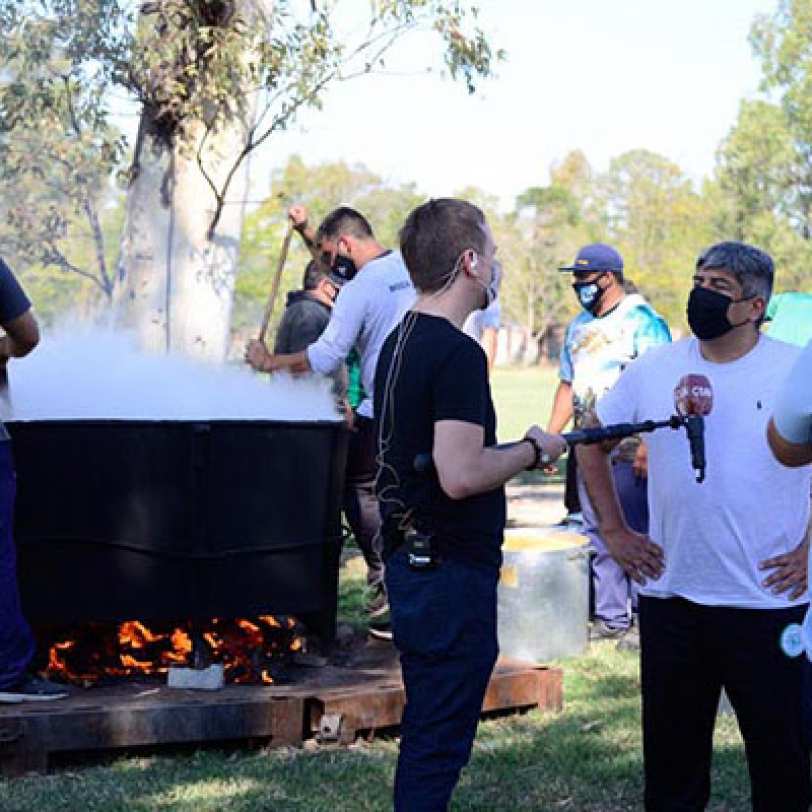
<point x="61" y="216"/>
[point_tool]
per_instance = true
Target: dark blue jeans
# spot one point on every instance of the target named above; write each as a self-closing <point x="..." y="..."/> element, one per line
<point x="444" y="626"/>
<point x="689" y="653"/>
<point x="16" y="640"/>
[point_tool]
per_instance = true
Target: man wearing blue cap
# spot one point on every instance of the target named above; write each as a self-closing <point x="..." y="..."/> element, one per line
<point x="613" y="330"/>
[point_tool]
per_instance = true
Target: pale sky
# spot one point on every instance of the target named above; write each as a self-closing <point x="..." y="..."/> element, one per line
<point x="604" y="76"/>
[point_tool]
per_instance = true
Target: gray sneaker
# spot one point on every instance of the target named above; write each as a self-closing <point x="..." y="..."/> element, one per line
<point x="381" y="626"/>
<point x="630" y="641"/>
<point x="31" y="688"/>
<point x="599" y="630"/>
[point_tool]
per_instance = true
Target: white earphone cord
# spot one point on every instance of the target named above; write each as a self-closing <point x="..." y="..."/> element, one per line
<point x="387" y="428"/>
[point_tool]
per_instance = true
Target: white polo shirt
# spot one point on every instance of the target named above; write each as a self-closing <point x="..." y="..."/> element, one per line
<point x="368" y="308"/>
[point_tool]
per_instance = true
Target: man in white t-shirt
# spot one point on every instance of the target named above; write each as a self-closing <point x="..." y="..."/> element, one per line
<point x="723" y="568"/>
<point x="371" y="304"/>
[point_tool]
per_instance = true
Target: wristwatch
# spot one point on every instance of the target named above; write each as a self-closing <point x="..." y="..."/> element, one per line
<point x="542" y="457"/>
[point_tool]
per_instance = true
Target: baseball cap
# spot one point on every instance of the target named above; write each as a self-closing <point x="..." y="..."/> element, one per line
<point x="596" y="257"/>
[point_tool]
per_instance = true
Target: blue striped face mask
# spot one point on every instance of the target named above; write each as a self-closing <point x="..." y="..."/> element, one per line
<point x="589" y="293"/>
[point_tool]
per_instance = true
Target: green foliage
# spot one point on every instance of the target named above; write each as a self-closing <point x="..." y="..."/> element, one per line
<point x="659" y="224"/>
<point x="57" y="151"/>
<point x="762" y="191"/>
<point x="191" y="61"/>
<point x="643" y="204"/>
<point x="548" y="224"/>
<point x="784" y="44"/>
<point x="189" y="64"/>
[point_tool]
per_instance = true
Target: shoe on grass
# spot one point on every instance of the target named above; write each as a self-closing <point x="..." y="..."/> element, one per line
<point x="572" y="520"/>
<point x="31" y="688"/>
<point x="599" y="630"/>
<point x="381" y="632"/>
<point x="380" y="627"/>
<point x="631" y="640"/>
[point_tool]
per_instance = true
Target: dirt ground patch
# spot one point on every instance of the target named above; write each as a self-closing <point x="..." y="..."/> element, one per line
<point x="535" y="504"/>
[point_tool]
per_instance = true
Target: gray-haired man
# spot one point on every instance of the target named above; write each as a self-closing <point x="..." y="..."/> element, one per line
<point x="723" y="568"/>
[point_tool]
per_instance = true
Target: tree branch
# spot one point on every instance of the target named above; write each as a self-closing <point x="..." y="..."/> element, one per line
<point x="98" y="244"/>
<point x="56" y="257"/>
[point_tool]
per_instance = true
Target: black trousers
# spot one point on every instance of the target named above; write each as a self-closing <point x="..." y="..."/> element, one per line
<point x="689" y="653"/>
<point x="360" y="502"/>
<point x="572" y="501"/>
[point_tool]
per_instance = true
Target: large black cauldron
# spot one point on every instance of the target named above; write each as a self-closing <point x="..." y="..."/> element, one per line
<point x="119" y="519"/>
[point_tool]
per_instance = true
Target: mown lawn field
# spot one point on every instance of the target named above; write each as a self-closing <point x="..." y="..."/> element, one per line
<point x="522" y="396"/>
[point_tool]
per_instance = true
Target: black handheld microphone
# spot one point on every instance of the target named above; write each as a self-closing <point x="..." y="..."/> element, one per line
<point x="693" y="397"/>
<point x="424" y="463"/>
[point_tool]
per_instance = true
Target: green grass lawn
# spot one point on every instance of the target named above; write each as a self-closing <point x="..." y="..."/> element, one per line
<point x="587" y="758"/>
<point x="522" y="397"/>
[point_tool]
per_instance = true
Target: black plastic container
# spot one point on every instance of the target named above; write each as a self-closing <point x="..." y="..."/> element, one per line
<point x="122" y="520"/>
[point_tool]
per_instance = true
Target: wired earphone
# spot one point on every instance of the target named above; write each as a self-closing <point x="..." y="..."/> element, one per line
<point x="387" y="421"/>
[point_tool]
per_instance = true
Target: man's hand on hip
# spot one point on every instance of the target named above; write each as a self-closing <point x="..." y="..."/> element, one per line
<point x="789" y="571"/>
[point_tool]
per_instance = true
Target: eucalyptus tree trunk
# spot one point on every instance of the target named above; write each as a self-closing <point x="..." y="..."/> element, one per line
<point x="175" y="280"/>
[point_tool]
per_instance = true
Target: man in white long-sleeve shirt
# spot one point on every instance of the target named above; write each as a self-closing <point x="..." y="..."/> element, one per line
<point x="369" y="307"/>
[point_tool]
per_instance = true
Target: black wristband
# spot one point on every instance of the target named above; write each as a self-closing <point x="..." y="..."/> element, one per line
<point x="537" y="451"/>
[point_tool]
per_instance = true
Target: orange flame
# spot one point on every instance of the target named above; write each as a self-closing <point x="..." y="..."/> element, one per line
<point x="246" y="647"/>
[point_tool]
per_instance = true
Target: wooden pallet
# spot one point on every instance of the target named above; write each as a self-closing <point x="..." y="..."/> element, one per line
<point x="332" y="703"/>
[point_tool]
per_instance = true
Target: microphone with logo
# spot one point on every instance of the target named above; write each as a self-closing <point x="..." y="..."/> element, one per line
<point x="693" y="398"/>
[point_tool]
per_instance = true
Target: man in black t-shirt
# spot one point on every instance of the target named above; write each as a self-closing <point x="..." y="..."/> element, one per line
<point x="443" y="527"/>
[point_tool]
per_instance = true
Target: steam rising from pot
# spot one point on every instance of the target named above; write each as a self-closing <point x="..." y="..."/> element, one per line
<point x="101" y="375"/>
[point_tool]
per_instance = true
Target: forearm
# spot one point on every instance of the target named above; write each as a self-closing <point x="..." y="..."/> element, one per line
<point x="296" y="363"/>
<point x="793" y="455"/>
<point x="790" y="430"/>
<point x="9" y="348"/>
<point x="562" y="408"/>
<point x="22" y="335"/>
<point x="308" y="235"/>
<point x="486" y="470"/>
<point x="596" y="470"/>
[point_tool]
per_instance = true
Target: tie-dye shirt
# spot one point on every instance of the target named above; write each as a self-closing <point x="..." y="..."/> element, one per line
<point x="597" y="349"/>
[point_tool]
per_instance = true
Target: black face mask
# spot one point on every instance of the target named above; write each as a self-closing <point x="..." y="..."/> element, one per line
<point x="707" y="313"/>
<point x="343" y="267"/>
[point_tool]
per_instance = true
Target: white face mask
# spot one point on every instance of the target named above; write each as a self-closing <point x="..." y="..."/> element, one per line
<point x="492" y="289"/>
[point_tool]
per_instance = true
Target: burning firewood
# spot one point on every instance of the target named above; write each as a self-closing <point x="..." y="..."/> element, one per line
<point x="250" y="650"/>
